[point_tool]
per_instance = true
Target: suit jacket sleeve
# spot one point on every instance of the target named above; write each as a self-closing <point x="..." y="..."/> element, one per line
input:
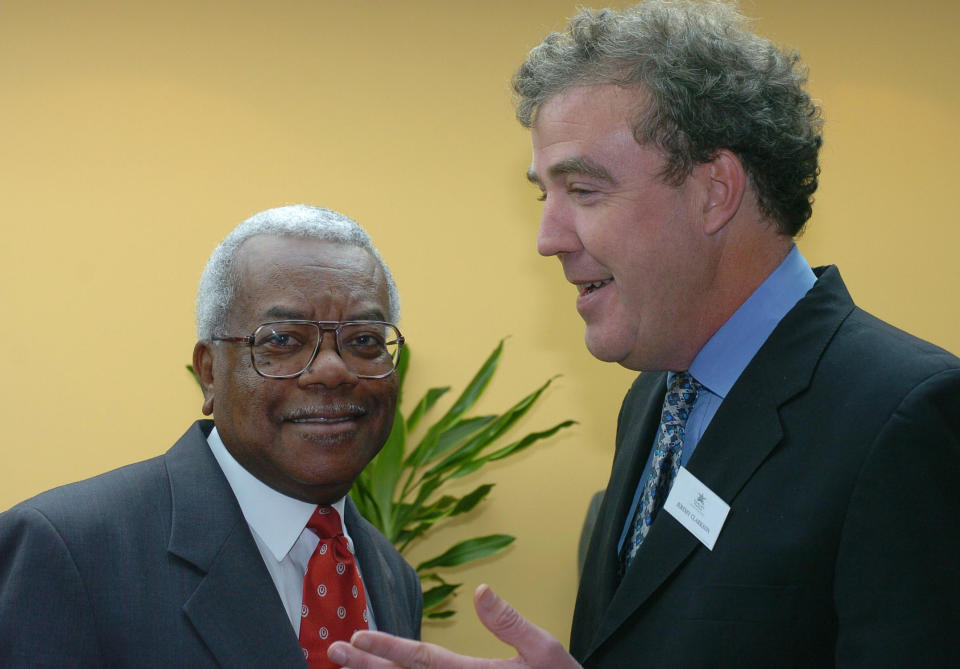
<point x="45" y="616"/>
<point x="897" y="584"/>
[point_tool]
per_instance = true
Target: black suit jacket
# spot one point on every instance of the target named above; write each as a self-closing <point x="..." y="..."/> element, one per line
<point x="838" y="450"/>
<point x="153" y="565"/>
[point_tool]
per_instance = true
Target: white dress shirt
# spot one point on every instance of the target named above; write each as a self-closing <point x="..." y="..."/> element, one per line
<point x="279" y="526"/>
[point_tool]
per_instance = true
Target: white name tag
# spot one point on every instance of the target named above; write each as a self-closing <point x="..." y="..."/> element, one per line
<point x="696" y="507"/>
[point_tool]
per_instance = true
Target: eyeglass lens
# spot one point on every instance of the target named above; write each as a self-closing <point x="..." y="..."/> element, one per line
<point x="286" y="349"/>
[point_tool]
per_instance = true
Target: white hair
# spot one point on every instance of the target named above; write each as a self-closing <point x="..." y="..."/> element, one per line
<point x="220" y="277"/>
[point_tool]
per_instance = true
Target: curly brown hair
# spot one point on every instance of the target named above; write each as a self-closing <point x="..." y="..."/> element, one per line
<point x="711" y="83"/>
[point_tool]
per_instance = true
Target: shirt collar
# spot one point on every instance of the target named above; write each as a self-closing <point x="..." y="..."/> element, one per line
<point x="276" y="518"/>
<point x="727" y="353"/>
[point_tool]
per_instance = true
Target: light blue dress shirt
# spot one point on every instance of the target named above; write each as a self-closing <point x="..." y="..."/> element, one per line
<point x="726" y="354"/>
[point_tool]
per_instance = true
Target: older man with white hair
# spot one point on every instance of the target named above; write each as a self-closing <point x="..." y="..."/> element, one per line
<point x="239" y="547"/>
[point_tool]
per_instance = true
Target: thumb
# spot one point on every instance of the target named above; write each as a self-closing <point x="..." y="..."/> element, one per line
<point x="537" y="647"/>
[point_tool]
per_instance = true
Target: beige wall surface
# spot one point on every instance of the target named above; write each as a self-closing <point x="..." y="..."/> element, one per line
<point x="133" y="136"/>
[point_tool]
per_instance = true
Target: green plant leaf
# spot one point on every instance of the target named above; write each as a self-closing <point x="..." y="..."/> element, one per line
<point x="466" y="400"/>
<point x="439" y="615"/>
<point x="489" y="434"/>
<point x="456" y="434"/>
<point x="511" y="449"/>
<point x="430" y="513"/>
<point x="476" y="386"/>
<point x="431" y="510"/>
<point x="426" y="488"/>
<point x="383" y="473"/>
<point x="470" y="500"/>
<point x="360" y="494"/>
<point x="424" y="405"/>
<point x="524" y="443"/>
<point x="442" y="508"/>
<point x="438" y="595"/>
<point x="468" y="551"/>
<point x="405" y="536"/>
<point x="402" y="363"/>
<point x="405" y="512"/>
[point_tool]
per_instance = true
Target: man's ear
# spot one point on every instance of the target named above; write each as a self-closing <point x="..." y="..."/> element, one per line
<point x="725" y="189"/>
<point x="203" y="368"/>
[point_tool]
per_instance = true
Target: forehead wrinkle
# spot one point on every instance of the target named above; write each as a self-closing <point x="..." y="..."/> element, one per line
<point x="298" y="288"/>
<point x="283" y="313"/>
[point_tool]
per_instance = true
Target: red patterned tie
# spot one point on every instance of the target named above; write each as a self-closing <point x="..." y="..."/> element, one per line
<point x="334" y="604"/>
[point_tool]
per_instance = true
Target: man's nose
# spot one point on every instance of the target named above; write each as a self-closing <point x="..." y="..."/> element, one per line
<point x="327" y="368"/>
<point x="556" y="234"/>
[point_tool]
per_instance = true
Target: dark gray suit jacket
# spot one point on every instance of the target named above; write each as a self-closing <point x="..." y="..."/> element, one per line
<point x="838" y="450"/>
<point x="153" y="565"/>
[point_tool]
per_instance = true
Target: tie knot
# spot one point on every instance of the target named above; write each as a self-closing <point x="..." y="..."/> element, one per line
<point x="682" y="391"/>
<point x="325" y="522"/>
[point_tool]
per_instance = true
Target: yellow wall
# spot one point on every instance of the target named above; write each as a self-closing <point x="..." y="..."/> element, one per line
<point x="133" y="136"/>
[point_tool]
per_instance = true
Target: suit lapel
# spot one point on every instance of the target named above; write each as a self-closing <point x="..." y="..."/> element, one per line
<point x="724" y="467"/>
<point x="600" y="577"/>
<point x="378" y="576"/>
<point x="235" y="609"/>
<point x="742" y="434"/>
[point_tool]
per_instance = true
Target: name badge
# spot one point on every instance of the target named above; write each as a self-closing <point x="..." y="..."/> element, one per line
<point x="696" y="507"/>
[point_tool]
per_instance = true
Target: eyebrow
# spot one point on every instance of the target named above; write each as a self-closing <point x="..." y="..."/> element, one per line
<point x="372" y="315"/>
<point x="575" y="165"/>
<point x="284" y="313"/>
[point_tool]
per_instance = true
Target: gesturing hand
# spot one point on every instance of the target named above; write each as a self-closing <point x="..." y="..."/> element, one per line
<point x="536" y="648"/>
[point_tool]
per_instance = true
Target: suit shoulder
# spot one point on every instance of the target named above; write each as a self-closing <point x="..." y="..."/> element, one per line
<point x="879" y="352"/>
<point x="372" y="535"/>
<point x="374" y="542"/>
<point x="101" y="501"/>
<point x="874" y="330"/>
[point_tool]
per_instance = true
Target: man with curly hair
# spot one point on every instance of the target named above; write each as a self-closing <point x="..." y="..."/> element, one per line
<point x="784" y="489"/>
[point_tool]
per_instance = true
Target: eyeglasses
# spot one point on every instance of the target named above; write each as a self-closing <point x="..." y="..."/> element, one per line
<point x="285" y="349"/>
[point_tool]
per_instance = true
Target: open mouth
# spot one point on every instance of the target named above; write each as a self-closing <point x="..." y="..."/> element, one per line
<point x="587" y="288"/>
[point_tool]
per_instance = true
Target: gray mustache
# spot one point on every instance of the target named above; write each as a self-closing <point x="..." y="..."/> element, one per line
<point x="337" y="409"/>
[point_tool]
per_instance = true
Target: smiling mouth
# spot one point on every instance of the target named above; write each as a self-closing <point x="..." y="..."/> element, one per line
<point x="587" y="288"/>
<point x="324" y="419"/>
<point x="326" y="415"/>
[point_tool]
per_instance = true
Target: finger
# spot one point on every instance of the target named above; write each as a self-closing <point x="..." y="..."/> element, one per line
<point x="537" y="647"/>
<point x="378" y="650"/>
<point x="344" y="654"/>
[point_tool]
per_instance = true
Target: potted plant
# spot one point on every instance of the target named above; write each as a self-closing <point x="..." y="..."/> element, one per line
<point x="402" y="491"/>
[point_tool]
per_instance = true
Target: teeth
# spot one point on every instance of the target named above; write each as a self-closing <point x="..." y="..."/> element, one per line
<point x="594" y="284"/>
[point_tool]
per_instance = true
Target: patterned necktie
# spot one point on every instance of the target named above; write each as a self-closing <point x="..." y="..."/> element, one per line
<point x="680" y="397"/>
<point x="334" y="603"/>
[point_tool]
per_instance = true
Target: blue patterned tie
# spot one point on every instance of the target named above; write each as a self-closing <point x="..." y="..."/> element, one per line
<point x="680" y="397"/>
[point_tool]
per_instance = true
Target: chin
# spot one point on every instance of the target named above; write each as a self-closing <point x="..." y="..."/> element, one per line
<point x="324" y="485"/>
<point x="603" y="350"/>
